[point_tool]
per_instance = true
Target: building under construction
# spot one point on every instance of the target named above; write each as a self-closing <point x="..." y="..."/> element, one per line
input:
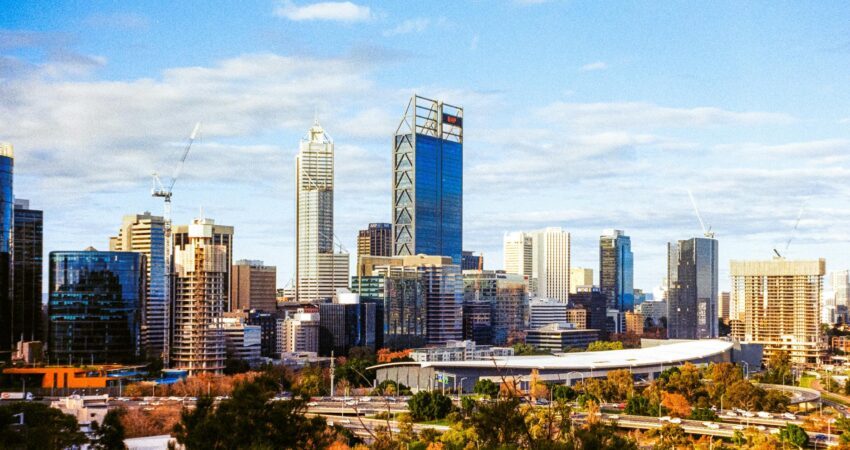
<point x="202" y="261"/>
<point x="776" y="303"/>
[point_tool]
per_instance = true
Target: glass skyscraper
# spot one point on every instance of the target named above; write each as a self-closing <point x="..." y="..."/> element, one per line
<point x="28" y="245"/>
<point x="7" y="337"/>
<point x="95" y="306"/>
<point x="428" y="180"/>
<point x="692" y="296"/>
<point x="616" y="274"/>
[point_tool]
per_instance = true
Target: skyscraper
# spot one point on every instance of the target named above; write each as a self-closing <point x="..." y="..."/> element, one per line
<point x="346" y="323"/>
<point x="692" y="269"/>
<point x="253" y="286"/>
<point x="7" y="338"/>
<point x="300" y="332"/>
<point x="580" y="276"/>
<point x="518" y="256"/>
<point x="777" y="304"/>
<point x="318" y="270"/>
<point x="145" y="233"/>
<point x="616" y="274"/>
<point x="95" y="306"/>
<point x="505" y="294"/>
<point x="544" y="257"/>
<point x="28" y="241"/>
<point x="428" y="180"/>
<point x="376" y="240"/>
<point x="470" y="261"/>
<point x="202" y="260"/>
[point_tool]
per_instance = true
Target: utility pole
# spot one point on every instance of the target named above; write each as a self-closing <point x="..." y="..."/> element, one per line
<point x="332" y="373"/>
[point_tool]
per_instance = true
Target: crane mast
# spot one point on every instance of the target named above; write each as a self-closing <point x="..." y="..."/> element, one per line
<point x="161" y="191"/>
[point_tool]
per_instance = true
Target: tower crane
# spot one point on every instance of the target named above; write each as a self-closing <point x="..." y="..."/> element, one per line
<point x="161" y="191"/>
<point x="793" y="231"/>
<point x="705" y="231"/>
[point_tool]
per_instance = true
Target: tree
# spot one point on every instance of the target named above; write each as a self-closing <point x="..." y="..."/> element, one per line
<point x="232" y="366"/>
<point x="638" y="405"/>
<point x="523" y="349"/>
<point x="621" y="383"/>
<point x="705" y="414"/>
<point x="563" y="393"/>
<point x="794" y="435"/>
<point x="426" y="405"/>
<point x="537" y="389"/>
<point x="500" y="423"/>
<point x="310" y="382"/>
<point x="677" y="404"/>
<point x="598" y="346"/>
<point x="486" y="388"/>
<point x="110" y="434"/>
<point x="670" y="437"/>
<point x="778" y="369"/>
<point x="44" y="428"/>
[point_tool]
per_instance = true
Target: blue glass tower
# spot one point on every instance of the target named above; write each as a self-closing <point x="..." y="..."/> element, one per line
<point x="95" y="306"/>
<point x="7" y="330"/>
<point x="616" y="270"/>
<point x="428" y="180"/>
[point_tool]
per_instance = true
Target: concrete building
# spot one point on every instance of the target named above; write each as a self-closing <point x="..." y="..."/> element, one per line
<point x="500" y="297"/>
<point x="460" y="351"/>
<point x="145" y="234"/>
<point x="692" y="268"/>
<point x="577" y="317"/>
<point x="376" y="240"/>
<point x="203" y="256"/>
<point x="242" y="341"/>
<point x="428" y="180"/>
<point x="542" y="312"/>
<point x="653" y="311"/>
<point x="634" y="322"/>
<point x="580" y="276"/>
<point x="558" y="337"/>
<point x="319" y="271"/>
<point x="300" y="332"/>
<point x="778" y="305"/>
<point x="548" y="265"/>
<point x="253" y="285"/>
<point x="724" y="301"/>
<point x="616" y="275"/>
<point x="28" y="248"/>
<point x="517" y="253"/>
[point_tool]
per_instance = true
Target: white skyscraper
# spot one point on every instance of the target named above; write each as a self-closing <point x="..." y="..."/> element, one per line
<point x="318" y="270"/>
<point x="544" y="257"/>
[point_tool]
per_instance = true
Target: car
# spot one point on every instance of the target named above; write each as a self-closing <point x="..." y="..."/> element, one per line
<point x="761" y="427"/>
<point x="764" y="415"/>
<point x="676" y="420"/>
<point x="365" y="399"/>
<point x="664" y="419"/>
<point x="738" y="427"/>
<point x="143" y="403"/>
<point x="312" y="404"/>
<point x="747" y="414"/>
<point x="613" y="416"/>
<point x="350" y="403"/>
<point x="774" y="431"/>
<point x="789" y="416"/>
<point x="711" y="425"/>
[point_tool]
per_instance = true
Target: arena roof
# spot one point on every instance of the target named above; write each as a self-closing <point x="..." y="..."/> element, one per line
<point x="672" y="354"/>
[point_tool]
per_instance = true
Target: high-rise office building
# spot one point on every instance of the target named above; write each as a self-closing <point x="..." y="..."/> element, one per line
<point x="145" y="233"/>
<point x="506" y="296"/>
<point x="428" y="180"/>
<point x="543" y="312"/>
<point x="470" y="261"/>
<point x="267" y="321"/>
<point x="203" y="253"/>
<point x="616" y="275"/>
<point x="241" y="340"/>
<point x="345" y="324"/>
<point x="319" y="271"/>
<point x="7" y="199"/>
<point x="580" y="276"/>
<point x="692" y="268"/>
<point x="27" y="242"/>
<point x="592" y="300"/>
<point x="300" y="332"/>
<point x="422" y="298"/>
<point x="95" y="307"/>
<point x="654" y="312"/>
<point x="777" y="304"/>
<point x="253" y="286"/>
<point x="840" y="283"/>
<point x="724" y="300"/>
<point x="634" y="322"/>
<point x="517" y="253"/>
<point x="376" y="240"/>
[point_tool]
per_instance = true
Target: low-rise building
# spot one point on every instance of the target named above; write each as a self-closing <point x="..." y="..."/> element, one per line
<point x="459" y="351"/>
<point x="558" y="337"/>
<point x="577" y="317"/>
<point x="543" y="312"/>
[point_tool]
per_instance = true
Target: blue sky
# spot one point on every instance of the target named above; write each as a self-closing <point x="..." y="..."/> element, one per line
<point x="585" y="115"/>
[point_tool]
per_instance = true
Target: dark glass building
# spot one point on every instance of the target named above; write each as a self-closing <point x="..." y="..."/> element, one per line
<point x="692" y="295"/>
<point x="27" y="243"/>
<point x="399" y="296"/>
<point x="616" y="274"/>
<point x="377" y="240"/>
<point x="471" y="262"/>
<point x="428" y="180"/>
<point x="7" y="333"/>
<point x="95" y="306"/>
<point x="345" y="325"/>
<point x="594" y="302"/>
<point x="267" y="321"/>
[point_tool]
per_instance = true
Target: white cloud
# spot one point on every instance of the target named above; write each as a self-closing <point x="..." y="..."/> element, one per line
<point x="331" y="11"/>
<point x="474" y="44"/>
<point x="649" y="115"/>
<point x="599" y="65"/>
<point x="417" y="25"/>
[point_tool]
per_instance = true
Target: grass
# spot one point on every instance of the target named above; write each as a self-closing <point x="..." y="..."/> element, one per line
<point x="806" y="381"/>
<point x="443" y="421"/>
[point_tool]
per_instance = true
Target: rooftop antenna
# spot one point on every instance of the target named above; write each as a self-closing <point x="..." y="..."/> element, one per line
<point x="706" y="232"/>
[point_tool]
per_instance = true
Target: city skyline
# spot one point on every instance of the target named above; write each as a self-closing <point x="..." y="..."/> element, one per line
<point x="754" y="159"/>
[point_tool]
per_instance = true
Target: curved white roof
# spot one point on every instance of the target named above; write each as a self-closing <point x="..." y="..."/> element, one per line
<point x="672" y="354"/>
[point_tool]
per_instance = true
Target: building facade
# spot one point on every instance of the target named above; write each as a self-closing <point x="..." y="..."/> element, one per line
<point x="470" y="261"/>
<point x="558" y="337"/>
<point x="692" y="274"/>
<point x="145" y="233"/>
<point x="654" y="312"/>
<point x="376" y="240"/>
<point x="300" y="332"/>
<point x="724" y="301"/>
<point x="203" y="253"/>
<point x="777" y="304"/>
<point x="319" y="271"/>
<point x="593" y="301"/>
<point x="616" y="274"/>
<point x="345" y="325"/>
<point x="518" y="253"/>
<point x="253" y="286"/>
<point x="580" y="276"/>
<point x="428" y="180"/>
<point x="543" y="312"/>
<point x="28" y="245"/>
<point x="7" y="200"/>
<point x="267" y="321"/>
<point x="506" y="296"/>
<point x="94" y="311"/>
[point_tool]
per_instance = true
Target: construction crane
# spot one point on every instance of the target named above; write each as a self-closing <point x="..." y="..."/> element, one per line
<point x="793" y="231"/>
<point x="161" y="191"/>
<point x="705" y="231"/>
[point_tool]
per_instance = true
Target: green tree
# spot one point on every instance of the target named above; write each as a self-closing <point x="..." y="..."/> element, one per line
<point x="110" y="434"/>
<point x="522" y="349"/>
<point x="601" y="437"/>
<point x="563" y="393"/>
<point x="670" y="437"/>
<point x="486" y="388"/>
<point x="354" y="367"/>
<point x="778" y="369"/>
<point x="703" y="414"/>
<point x="426" y="405"/>
<point x="794" y="435"/>
<point x="500" y="423"/>
<point x="598" y="346"/>
<point x="639" y="405"/>
<point x="232" y="366"/>
<point x="44" y="428"/>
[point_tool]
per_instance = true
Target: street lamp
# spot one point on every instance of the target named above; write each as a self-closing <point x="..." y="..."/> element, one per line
<point x="461" y="388"/>
<point x="570" y="378"/>
<point x="747" y="366"/>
